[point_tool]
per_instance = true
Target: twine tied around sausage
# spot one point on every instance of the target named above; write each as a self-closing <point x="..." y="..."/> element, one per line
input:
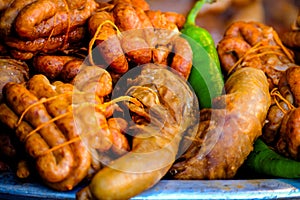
<point x="261" y="46"/>
<point x="98" y="107"/>
<point x="275" y="93"/>
<point x="96" y="37"/>
<point x="68" y="27"/>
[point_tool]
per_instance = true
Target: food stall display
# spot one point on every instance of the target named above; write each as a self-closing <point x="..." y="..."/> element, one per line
<point x="118" y="100"/>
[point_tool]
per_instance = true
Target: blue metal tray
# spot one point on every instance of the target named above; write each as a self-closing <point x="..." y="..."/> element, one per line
<point x="13" y="188"/>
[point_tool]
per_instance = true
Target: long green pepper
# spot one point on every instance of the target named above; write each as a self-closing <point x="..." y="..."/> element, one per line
<point x="206" y="76"/>
<point x="264" y="160"/>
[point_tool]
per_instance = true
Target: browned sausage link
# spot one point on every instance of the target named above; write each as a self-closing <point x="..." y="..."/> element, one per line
<point x="293" y="76"/>
<point x="136" y="48"/>
<point x="144" y="19"/>
<point x="159" y="20"/>
<point x="98" y="83"/>
<point x="50" y="65"/>
<point x="67" y="87"/>
<point x="176" y="18"/>
<point x="230" y="50"/>
<point x="288" y="143"/>
<point x="33" y="15"/>
<point x="164" y="26"/>
<point x="126" y="17"/>
<point x="46" y="44"/>
<point x="277" y="110"/>
<point x="148" y="30"/>
<point x="111" y="50"/>
<point x="165" y="30"/>
<point x="97" y="134"/>
<point x="240" y="123"/>
<point x="46" y="17"/>
<point x="94" y="80"/>
<point x="106" y="30"/>
<point x="245" y="44"/>
<point x="285" y="89"/>
<point x="70" y="70"/>
<point x="34" y="144"/>
<point x="60" y="162"/>
<point x="56" y="108"/>
<point x="251" y="32"/>
<point x="8" y="16"/>
<point x="183" y="56"/>
<point x="142" y="53"/>
<point x="61" y="21"/>
<point x="155" y="18"/>
<point x="95" y="83"/>
<point x="117" y="127"/>
<point x="134" y="43"/>
<point x="54" y="66"/>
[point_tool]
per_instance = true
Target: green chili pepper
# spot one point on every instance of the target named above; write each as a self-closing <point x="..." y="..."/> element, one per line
<point x="264" y="160"/>
<point x="206" y="76"/>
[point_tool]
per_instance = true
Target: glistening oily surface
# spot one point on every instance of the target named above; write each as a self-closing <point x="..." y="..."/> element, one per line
<point x="149" y="84"/>
<point x="135" y="111"/>
<point x="162" y="114"/>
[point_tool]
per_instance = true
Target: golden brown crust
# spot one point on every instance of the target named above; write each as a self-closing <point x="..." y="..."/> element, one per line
<point x="9" y="15"/>
<point x="183" y="56"/>
<point x="54" y="66"/>
<point x="57" y="107"/>
<point x="30" y="27"/>
<point x="231" y="129"/>
<point x="253" y="44"/>
<point x="111" y="51"/>
<point x="70" y="70"/>
<point x="60" y="162"/>
<point x="46" y="44"/>
<point x="55" y="18"/>
<point x="292" y="76"/>
<point x="288" y="142"/>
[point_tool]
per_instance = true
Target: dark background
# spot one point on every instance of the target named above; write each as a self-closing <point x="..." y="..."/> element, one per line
<point x="216" y="17"/>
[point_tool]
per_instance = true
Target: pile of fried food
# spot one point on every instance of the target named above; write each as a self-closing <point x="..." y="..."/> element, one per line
<point x="62" y="60"/>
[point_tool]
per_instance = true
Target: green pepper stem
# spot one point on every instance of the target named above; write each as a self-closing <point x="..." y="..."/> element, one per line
<point x="191" y="17"/>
